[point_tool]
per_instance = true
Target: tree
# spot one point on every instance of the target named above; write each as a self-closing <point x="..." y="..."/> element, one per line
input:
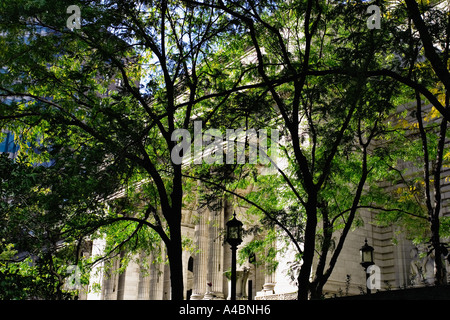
<point x="106" y="99"/>
<point x="33" y="264"/>
<point x="432" y="40"/>
<point x="423" y="45"/>
<point x="314" y="59"/>
<point x="435" y="35"/>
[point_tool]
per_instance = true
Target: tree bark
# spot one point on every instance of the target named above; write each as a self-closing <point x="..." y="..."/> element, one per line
<point x="309" y="246"/>
<point x="434" y="209"/>
<point x="174" y="253"/>
<point x="435" y="221"/>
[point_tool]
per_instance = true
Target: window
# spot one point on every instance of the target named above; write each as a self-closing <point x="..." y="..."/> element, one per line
<point x="8" y="145"/>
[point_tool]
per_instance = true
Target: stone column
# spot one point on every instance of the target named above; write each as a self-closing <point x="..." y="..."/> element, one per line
<point x="110" y="282"/>
<point x="214" y="278"/>
<point x="269" y="279"/>
<point x="200" y="259"/>
<point x="129" y="281"/>
<point x="144" y="278"/>
<point x="156" y="283"/>
<point x="157" y="276"/>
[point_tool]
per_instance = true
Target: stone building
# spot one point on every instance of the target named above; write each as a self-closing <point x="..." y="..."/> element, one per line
<point x="205" y="275"/>
<point x="206" y="268"/>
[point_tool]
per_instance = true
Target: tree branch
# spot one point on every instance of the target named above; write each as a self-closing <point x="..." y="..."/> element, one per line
<point x="430" y="51"/>
<point x="268" y="215"/>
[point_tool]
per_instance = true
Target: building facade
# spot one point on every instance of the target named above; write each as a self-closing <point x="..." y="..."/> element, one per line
<point x="206" y="267"/>
<point x="401" y="265"/>
<point x="206" y="277"/>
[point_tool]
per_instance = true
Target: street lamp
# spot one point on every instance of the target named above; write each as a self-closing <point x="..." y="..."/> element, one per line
<point x="366" y="259"/>
<point x="234" y="238"/>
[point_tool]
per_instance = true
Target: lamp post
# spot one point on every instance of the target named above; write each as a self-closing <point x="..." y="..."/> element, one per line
<point x="234" y="238"/>
<point x="366" y="260"/>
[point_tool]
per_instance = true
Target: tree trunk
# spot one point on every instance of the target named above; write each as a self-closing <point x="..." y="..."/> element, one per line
<point x="440" y="272"/>
<point x="317" y="289"/>
<point x="433" y="211"/>
<point x="173" y="214"/>
<point x="436" y="243"/>
<point x="319" y="277"/>
<point x="308" y="252"/>
<point x="174" y="253"/>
